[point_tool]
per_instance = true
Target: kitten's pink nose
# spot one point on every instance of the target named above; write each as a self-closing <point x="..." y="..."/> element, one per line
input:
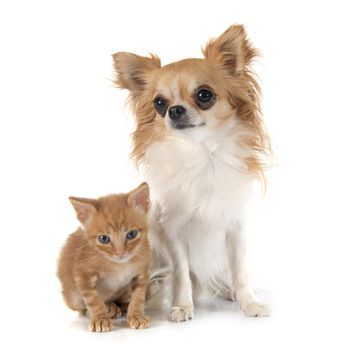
<point x="120" y="253"/>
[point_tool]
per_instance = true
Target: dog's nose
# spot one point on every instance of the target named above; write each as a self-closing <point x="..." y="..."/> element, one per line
<point x="176" y="112"/>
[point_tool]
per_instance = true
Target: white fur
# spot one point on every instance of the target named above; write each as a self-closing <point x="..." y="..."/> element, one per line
<point x="111" y="283"/>
<point x="120" y="259"/>
<point x="204" y="192"/>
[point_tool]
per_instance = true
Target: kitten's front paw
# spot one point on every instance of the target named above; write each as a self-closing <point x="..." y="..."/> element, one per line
<point x="138" y="321"/>
<point x="180" y="313"/>
<point x="100" y="325"/>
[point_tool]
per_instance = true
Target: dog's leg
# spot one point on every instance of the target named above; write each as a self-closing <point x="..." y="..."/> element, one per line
<point x="182" y="309"/>
<point x="236" y="246"/>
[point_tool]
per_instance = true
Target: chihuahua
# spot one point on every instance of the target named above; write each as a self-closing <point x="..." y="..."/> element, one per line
<point x="201" y="141"/>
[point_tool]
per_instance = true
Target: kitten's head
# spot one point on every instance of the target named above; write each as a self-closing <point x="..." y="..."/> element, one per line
<point x="115" y="225"/>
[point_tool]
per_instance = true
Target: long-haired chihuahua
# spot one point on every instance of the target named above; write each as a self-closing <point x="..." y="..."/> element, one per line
<point x="202" y="145"/>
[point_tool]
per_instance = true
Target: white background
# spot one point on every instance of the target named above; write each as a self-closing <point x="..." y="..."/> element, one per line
<point x="64" y="131"/>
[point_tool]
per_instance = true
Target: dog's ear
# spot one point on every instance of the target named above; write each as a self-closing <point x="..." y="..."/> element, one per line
<point x="232" y="50"/>
<point x="133" y="70"/>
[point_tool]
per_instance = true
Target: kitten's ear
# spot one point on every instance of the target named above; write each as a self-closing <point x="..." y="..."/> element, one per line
<point x="232" y="51"/>
<point x="85" y="209"/>
<point x="139" y="198"/>
<point x="133" y="71"/>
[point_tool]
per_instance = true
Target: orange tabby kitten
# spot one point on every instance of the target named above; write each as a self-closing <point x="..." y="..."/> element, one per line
<point x="105" y="263"/>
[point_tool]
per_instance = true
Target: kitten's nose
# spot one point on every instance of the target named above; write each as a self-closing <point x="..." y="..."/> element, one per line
<point x="119" y="252"/>
<point x="176" y="112"/>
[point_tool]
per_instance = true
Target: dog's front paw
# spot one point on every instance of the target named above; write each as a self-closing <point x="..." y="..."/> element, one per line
<point x="250" y="306"/>
<point x="256" y="309"/>
<point x="180" y="313"/>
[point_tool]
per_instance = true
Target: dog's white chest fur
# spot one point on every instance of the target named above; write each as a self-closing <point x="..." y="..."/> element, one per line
<point x="203" y="191"/>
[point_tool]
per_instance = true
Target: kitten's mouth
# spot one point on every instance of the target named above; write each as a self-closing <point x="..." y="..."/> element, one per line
<point x="121" y="259"/>
<point x="181" y="126"/>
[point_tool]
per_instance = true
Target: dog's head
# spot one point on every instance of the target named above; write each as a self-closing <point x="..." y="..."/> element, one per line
<point x="194" y="97"/>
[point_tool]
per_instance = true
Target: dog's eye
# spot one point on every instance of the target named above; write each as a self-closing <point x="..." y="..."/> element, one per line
<point x="204" y="95"/>
<point x="160" y="105"/>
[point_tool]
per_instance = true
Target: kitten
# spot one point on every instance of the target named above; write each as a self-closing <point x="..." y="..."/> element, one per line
<point x="104" y="265"/>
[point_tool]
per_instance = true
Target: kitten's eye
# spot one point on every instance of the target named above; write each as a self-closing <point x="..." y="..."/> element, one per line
<point x="160" y="105"/>
<point x="131" y="234"/>
<point x="204" y="98"/>
<point x="104" y="239"/>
